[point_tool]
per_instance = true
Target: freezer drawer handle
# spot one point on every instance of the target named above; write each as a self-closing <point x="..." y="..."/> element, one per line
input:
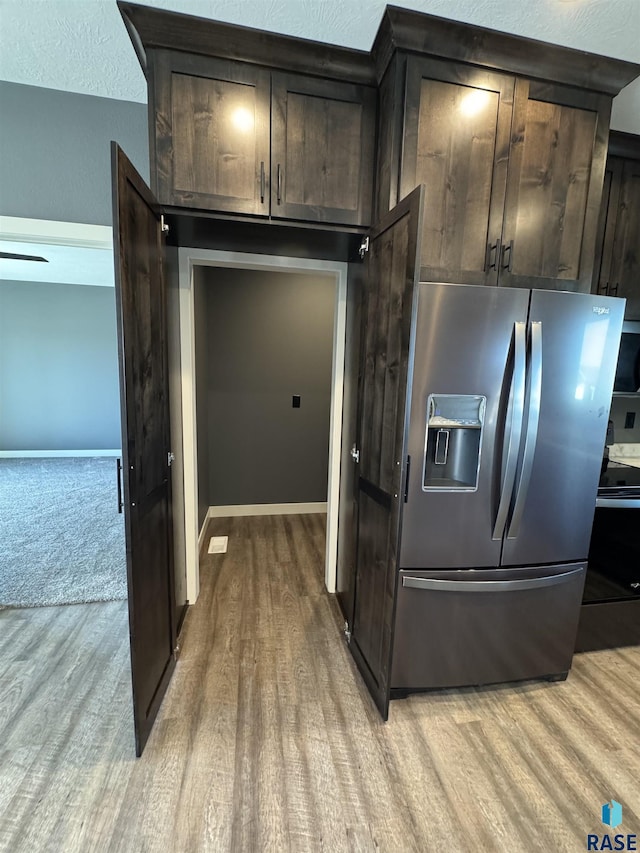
<point x="515" y="414"/>
<point x="488" y="586"/>
<point x="533" y="419"/>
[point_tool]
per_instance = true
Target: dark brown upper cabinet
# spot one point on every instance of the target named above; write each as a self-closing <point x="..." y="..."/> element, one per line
<point x="255" y="123"/>
<point x="238" y="138"/>
<point x="456" y="143"/>
<point x="617" y="268"/>
<point x="322" y="146"/>
<point x="212" y="131"/>
<point x="556" y="160"/>
<point x="512" y="171"/>
<point x="509" y="138"/>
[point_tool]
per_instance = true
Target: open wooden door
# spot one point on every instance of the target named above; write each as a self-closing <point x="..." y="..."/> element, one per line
<point x="392" y="273"/>
<point x="348" y="502"/>
<point x="144" y="394"/>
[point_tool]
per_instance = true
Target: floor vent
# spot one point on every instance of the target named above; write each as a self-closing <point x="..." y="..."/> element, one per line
<point x="218" y="545"/>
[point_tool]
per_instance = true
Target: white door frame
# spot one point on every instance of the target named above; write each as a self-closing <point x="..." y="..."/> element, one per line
<point x="188" y="259"/>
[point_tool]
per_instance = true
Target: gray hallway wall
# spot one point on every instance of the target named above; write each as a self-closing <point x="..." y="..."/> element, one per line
<point x="54" y="152"/>
<point x="58" y="352"/>
<point x="269" y="335"/>
<point x="58" y="367"/>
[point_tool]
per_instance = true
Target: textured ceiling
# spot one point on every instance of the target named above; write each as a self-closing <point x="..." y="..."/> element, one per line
<point x="82" y="45"/>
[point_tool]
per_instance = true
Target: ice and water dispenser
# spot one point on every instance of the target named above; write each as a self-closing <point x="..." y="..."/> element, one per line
<point x="453" y="441"/>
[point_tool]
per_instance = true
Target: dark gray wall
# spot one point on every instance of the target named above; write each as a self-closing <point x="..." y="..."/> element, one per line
<point x="58" y="367"/>
<point x="202" y="393"/>
<point x="54" y="152"/>
<point x="269" y="336"/>
<point x="58" y="354"/>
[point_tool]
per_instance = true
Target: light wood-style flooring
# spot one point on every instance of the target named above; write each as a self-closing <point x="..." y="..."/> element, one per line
<point x="267" y="739"/>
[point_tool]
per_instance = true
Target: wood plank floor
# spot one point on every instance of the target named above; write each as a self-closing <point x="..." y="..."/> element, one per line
<point x="268" y="741"/>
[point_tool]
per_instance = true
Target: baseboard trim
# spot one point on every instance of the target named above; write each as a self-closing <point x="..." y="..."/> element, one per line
<point x="202" y="532"/>
<point x="265" y="509"/>
<point x="43" y="454"/>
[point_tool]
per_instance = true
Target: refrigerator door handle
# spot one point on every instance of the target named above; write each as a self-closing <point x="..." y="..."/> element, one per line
<point x="533" y="420"/>
<point x="515" y="414"/>
<point x="440" y="585"/>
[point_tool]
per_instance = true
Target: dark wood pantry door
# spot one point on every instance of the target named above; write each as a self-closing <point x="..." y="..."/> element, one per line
<point x="392" y="274"/>
<point x="144" y="394"/>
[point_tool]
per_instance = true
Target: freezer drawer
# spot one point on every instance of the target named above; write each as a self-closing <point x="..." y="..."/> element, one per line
<point x="461" y="628"/>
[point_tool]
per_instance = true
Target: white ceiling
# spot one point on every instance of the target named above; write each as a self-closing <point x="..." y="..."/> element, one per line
<point x="82" y="45"/>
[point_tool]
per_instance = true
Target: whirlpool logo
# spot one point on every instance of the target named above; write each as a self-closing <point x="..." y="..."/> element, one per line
<point x="612" y="816"/>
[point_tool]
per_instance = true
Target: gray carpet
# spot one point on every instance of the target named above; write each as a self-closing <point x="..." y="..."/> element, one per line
<point x="61" y="537"/>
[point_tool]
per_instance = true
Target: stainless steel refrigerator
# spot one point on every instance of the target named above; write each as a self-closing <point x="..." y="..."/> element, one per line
<point x="510" y="395"/>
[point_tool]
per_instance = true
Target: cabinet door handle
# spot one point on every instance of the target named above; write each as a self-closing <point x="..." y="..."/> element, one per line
<point x="119" y="483"/>
<point x="262" y="182"/>
<point x="613" y="291"/>
<point x="491" y="249"/>
<point x="406" y="480"/>
<point x="279" y="185"/>
<point x="506" y="263"/>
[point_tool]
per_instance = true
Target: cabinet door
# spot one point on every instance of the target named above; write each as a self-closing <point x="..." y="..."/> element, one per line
<point x="390" y="279"/>
<point x="456" y="143"/>
<point x="625" y="267"/>
<point x="556" y="167"/>
<point x="607" y="225"/>
<point x="140" y="291"/>
<point x="211" y="133"/>
<point x="322" y="138"/>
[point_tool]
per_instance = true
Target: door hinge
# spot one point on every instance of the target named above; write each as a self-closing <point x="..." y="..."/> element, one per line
<point x="171" y="457"/>
<point x="347" y="632"/>
<point x="355" y="454"/>
<point x="364" y="247"/>
<point x="163" y="225"/>
<point x="176" y="651"/>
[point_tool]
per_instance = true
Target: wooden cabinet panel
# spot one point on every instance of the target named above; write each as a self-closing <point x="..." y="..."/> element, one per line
<point x="456" y="141"/>
<point x="387" y="170"/>
<point x="371" y="582"/>
<point x="617" y="268"/>
<point x="607" y="225"/>
<point x="322" y="150"/>
<point x="551" y="208"/>
<point x="212" y="133"/>
<point x="212" y="121"/>
<point x="625" y="266"/>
